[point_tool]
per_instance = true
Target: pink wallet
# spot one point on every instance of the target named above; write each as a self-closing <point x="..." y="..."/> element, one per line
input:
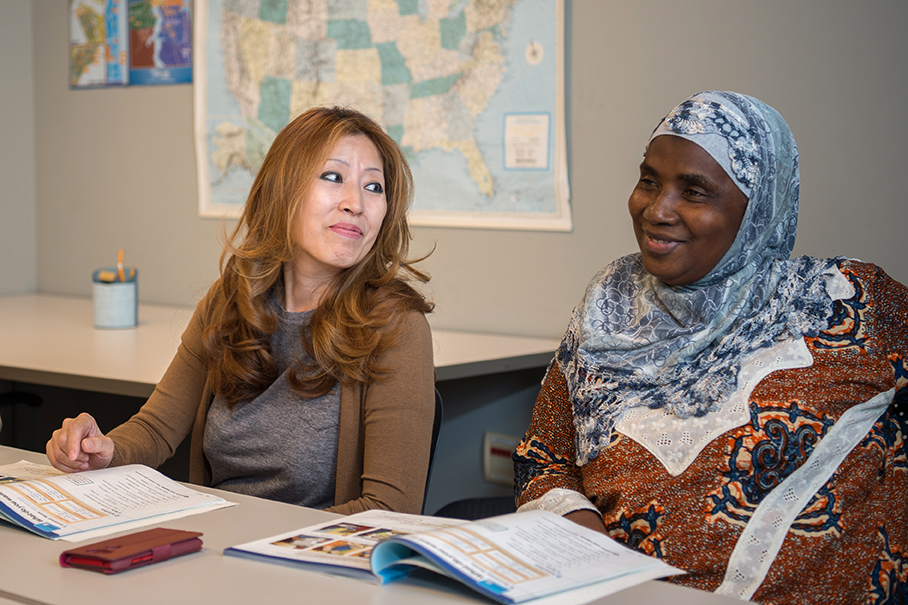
<point x="132" y="550"/>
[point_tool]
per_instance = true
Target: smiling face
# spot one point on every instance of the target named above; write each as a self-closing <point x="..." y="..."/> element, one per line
<point x="686" y="211"/>
<point x="342" y="210"/>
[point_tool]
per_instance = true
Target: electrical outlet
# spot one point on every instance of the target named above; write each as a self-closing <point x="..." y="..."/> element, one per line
<point x="497" y="466"/>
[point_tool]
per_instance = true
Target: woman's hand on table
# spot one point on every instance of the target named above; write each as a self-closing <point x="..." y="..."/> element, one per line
<point x="79" y="445"/>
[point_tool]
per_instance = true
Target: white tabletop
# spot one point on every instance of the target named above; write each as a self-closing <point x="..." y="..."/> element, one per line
<point x="46" y="339"/>
<point x="30" y="571"/>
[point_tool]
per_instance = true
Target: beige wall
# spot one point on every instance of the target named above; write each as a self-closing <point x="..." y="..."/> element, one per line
<point x="17" y="150"/>
<point x="116" y="168"/>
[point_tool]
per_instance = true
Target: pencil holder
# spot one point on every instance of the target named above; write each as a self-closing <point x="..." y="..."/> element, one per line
<point x="116" y="303"/>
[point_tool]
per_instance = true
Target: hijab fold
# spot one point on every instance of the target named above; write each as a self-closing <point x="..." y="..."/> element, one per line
<point x="634" y="340"/>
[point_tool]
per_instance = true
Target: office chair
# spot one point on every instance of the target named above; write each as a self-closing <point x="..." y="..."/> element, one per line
<point x="472" y="509"/>
<point x="436" y="428"/>
<point x="13" y="434"/>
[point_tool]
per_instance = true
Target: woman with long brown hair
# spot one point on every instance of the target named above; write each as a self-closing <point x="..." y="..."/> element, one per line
<point x="309" y="362"/>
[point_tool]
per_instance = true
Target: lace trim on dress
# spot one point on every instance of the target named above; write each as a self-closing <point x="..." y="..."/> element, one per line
<point x="676" y="442"/>
<point x="761" y="540"/>
<point x="559" y="501"/>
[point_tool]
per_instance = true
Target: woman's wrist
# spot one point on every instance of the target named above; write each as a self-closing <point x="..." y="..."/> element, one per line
<point x="587" y="518"/>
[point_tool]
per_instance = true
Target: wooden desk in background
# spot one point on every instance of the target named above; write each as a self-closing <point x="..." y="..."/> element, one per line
<point x="50" y="340"/>
<point x="30" y="571"/>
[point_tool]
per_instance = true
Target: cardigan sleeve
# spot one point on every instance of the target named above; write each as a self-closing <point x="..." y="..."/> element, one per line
<point x="385" y="440"/>
<point x="153" y="434"/>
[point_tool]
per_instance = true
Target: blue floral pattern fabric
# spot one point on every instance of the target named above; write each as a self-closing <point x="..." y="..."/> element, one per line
<point x="701" y="116"/>
<point x="634" y="340"/>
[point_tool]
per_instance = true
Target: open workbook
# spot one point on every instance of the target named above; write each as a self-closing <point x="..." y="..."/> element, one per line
<point x="91" y="504"/>
<point x="533" y="556"/>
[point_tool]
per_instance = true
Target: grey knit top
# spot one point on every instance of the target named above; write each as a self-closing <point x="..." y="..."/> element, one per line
<point x="279" y="445"/>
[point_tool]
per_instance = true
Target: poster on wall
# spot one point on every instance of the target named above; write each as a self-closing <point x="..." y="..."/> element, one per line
<point x="473" y="91"/>
<point x="97" y="43"/>
<point x="129" y="42"/>
<point x="160" y="42"/>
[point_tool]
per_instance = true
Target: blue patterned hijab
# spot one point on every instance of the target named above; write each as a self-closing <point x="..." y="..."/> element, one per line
<point x="633" y="340"/>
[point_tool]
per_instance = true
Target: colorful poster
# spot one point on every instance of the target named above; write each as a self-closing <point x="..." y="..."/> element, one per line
<point x="160" y="41"/>
<point x="97" y="43"/>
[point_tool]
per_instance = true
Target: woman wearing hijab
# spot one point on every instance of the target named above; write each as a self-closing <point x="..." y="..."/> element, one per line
<point x="721" y="406"/>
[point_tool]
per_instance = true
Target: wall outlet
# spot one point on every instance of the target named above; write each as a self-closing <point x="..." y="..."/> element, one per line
<point x="497" y="466"/>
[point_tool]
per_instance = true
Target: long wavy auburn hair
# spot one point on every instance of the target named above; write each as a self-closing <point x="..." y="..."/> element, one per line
<point x="361" y="311"/>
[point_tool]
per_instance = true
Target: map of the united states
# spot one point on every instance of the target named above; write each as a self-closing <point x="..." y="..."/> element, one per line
<point x="443" y="77"/>
<point x="426" y="79"/>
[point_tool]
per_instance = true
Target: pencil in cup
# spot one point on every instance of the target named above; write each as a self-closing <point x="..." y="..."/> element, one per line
<point x="115" y="301"/>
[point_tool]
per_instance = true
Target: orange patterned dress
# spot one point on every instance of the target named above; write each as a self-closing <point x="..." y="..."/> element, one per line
<point x="847" y="545"/>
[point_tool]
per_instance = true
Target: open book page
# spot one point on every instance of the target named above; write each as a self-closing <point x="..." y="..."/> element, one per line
<point x="27" y="470"/>
<point x="524" y="556"/>
<point x="91" y="504"/>
<point x="342" y="546"/>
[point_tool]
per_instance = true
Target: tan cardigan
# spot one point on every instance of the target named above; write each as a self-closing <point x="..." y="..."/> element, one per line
<point x="384" y="434"/>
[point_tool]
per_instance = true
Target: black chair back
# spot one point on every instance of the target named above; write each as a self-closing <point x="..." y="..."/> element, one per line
<point x="436" y="428"/>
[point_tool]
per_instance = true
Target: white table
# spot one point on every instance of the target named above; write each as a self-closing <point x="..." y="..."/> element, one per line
<point x="50" y="340"/>
<point x="30" y="571"/>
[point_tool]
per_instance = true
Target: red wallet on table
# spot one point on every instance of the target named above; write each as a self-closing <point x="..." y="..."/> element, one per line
<point x="132" y="550"/>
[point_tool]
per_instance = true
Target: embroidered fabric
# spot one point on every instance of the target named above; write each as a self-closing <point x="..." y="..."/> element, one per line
<point x="761" y="540"/>
<point x="559" y="501"/>
<point x="676" y="442"/>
